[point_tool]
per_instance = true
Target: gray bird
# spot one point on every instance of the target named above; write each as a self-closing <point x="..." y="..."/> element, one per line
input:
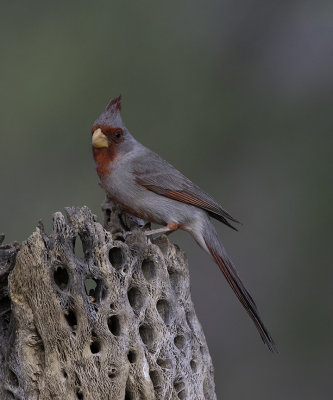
<point x="148" y="187"/>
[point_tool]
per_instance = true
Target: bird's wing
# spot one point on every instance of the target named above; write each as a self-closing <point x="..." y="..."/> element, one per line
<point x="157" y="175"/>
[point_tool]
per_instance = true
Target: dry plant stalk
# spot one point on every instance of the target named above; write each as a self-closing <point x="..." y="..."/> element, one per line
<point x="114" y="322"/>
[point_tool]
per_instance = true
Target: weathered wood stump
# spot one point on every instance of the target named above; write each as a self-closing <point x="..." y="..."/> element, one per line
<point x="115" y="323"/>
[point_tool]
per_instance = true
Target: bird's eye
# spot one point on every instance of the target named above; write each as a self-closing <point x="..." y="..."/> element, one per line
<point x="117" y="134"/>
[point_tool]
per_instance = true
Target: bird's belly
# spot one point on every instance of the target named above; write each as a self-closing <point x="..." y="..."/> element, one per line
<point x="146" y="204"/>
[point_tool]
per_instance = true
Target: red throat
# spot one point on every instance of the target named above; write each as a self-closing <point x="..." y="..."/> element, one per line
<point x="103" y="158"/>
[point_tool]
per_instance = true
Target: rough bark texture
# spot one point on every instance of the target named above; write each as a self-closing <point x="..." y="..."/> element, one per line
<point x="116" y="322"/>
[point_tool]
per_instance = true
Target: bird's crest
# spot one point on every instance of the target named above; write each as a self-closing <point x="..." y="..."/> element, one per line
<point x="114" y="105"/>
<point x="111" y="115"/>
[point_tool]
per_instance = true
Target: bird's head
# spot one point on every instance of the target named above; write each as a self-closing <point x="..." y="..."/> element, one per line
<point x="110" y="138"/>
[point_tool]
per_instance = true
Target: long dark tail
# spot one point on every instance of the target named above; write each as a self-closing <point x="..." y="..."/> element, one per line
<point x="225" y="264"/>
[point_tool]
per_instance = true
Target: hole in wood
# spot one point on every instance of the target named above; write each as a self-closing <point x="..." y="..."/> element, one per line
<point x="78" y="248"/>
<point x="79" y="395"/>
<point x="164" y="363"/>
<point x="114" y="325"/>
<point x="155" y="378"/>
<point x="116" y="257"/>
<point x="95" y="347"/>
<point x="95" y="289"/>
<point x="112" y="372"/>
<point x="148" y="269"/>
<point x="163" y="309"/>
<point x="5" y="305"/>
<point x="180" y="389"/>
<point x="90" y="285"/>
<point x="179" y="341"/>
<point x="61" y="277"/>
<point x="179" y="385"/>
<point x="193" y="365"/>
<point x="131" y="356"/>
<point x="135" y="298"/>
<point x="147" y="335"/>
<point x="71" y="318"/>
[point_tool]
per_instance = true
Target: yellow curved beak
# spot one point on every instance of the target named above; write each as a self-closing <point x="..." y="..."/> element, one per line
<point x="99" y="140"/>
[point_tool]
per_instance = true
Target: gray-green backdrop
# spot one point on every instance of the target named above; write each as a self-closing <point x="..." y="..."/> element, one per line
<point x="238" y="95"/>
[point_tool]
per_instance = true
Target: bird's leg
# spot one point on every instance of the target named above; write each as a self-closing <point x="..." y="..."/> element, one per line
<point x="172" y="226"/>
<point x="165" y="229"/>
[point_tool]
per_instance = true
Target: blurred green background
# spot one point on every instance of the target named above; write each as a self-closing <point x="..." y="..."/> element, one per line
<point x="237" y="95"/>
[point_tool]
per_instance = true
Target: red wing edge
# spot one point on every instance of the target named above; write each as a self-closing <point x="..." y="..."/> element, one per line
<point x="190" y="198"/>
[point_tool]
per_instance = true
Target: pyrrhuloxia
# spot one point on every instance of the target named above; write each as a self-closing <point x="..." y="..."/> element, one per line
<point x="148" y="187"/>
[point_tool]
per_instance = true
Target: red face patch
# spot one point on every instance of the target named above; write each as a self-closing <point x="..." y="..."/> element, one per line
<point x="105" y="155"/>
<point x="114" y="135"/>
